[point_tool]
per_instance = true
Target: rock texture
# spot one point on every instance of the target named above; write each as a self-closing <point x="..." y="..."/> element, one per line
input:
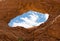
<point x="49" y="31"/>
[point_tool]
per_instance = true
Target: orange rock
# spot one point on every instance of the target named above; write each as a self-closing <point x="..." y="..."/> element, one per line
<point x="11" y="8"/>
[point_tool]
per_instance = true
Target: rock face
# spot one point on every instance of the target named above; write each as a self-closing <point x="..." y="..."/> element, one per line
<point x="49" y="31"/>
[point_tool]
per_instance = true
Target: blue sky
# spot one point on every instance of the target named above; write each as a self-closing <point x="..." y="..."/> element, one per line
<point x="29" y="19"/>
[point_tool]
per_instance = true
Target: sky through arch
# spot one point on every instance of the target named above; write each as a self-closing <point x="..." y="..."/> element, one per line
<point x="29" y="19"/>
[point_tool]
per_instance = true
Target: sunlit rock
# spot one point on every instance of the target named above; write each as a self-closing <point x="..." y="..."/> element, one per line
<point x="29" y="19"/>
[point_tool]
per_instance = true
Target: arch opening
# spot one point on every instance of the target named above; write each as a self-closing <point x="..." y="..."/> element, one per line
<point x="29" y="19"/>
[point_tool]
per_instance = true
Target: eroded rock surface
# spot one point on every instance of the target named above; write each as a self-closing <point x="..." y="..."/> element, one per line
<point x="48" y="31"/>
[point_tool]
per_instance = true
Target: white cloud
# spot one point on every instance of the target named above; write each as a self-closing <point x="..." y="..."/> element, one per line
<point x="23" y="24"/>
<point x="47" y="16"/>
<point x="29" y="22"/>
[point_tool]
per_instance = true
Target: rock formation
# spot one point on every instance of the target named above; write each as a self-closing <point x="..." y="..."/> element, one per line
<point x="49" y="31"/>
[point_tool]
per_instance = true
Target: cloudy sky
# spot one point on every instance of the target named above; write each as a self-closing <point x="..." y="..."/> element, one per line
<point x="29" y="19"/>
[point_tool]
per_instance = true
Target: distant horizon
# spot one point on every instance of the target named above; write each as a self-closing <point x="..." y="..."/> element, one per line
<point x="29" y="19"/>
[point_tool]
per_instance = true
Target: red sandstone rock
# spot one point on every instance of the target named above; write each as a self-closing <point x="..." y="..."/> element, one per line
<point x="46" y="32"/>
